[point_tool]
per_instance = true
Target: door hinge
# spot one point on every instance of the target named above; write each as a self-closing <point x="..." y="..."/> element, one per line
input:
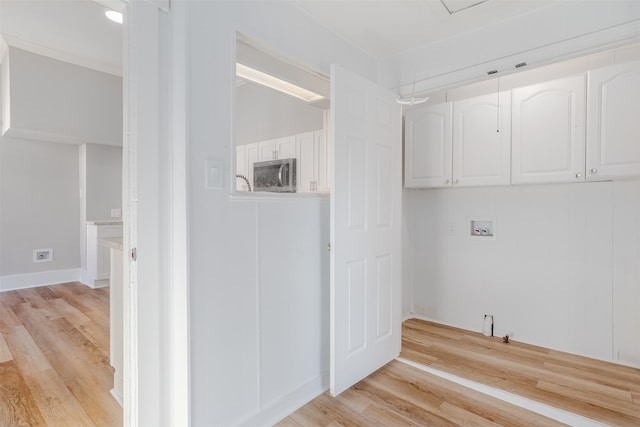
<point x="134" y="254"/>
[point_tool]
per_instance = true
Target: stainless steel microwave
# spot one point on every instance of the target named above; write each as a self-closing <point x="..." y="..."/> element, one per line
<point x="275" y="175"/>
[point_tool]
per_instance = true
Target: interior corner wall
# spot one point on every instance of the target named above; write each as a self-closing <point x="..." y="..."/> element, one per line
<point x="103" y="181"/>
<point x="56" y="101"/>
<point x="562" y="271"/>
<point x="39" y="206"/>
<point x="263" y="114"/>
<point x="258" y="269"/>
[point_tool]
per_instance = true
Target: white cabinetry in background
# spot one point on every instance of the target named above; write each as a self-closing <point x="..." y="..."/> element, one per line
<point x="246" y="156"/>
<point x="311" y="161"/>
<point x="548" y="132"/>
<point x="241" y="168"/>
<point x="98" y="257"/>
<point x="482" y="140"/>
<point x="613" y="122"/>
<point x="428" y="146"/>
<point x="465" y="143"/>
<point x="281" y="148"/>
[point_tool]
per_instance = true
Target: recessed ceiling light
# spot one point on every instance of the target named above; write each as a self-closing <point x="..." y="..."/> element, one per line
<point x="272" y="82"/>
<point x="113" y="15"/>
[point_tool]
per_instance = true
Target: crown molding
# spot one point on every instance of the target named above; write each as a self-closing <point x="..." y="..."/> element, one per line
<point x="93" y="64"/>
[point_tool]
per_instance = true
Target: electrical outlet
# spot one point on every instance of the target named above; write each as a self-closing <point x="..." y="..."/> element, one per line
<point x="116" y="213"/>
<point x="451" y="229"/>
<point x="43" y="255"/>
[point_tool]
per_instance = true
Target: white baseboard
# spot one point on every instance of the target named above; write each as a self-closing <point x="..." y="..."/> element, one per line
<point x="42" y="278"/>
<point x="117" y="396"/>
<point x="288" y="404"/>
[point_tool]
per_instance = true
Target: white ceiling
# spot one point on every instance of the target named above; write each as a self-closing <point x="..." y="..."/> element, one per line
<point x="76" y="30"/>
<point x="71" y="30"/>
<point x="386" y="28"/>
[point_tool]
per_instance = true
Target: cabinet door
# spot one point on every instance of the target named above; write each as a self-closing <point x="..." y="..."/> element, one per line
<point x="241" y="167"/>
<point x="548" y="132"/>
<point x="287" y="147"/>
<point x="321" y="161"/>
<point x="482" y="140"/>
<point x="613" y="122"/>
<point x="306" y="159"/>
<point x="268" y="150"/>
<point x="427" y="136"/>
<point x="253" y="155"/>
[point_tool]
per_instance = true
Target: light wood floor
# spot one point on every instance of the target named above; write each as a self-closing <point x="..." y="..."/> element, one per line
<point x="398" y="394"/>
<point x="54" y="358"/>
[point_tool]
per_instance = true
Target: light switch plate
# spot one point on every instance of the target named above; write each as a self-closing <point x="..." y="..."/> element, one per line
<point x="214" y="169"/>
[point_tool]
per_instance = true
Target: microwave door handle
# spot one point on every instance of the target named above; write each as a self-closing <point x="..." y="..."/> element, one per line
<point x="280" y="175"/>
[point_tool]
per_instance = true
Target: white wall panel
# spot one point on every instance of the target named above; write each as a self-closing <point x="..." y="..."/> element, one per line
<point x="550" y="276"/>
<point x="225" y="269"/>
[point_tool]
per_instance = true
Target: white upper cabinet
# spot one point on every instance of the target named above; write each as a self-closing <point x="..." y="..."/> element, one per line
<point x="281" y="148"/>
<point x="613" y="122"/>
<point x="287" y="148"/>
<point x="253" y="154"/>
<point x="311" y="162"/>
<point x="548" y="138"/>
<point x="482" y="140"/>
<point x="241" y="167"/>
<point x="427" y="159"/>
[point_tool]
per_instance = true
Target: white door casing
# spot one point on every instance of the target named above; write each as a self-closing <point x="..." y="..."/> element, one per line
<point x="156" y="363"/>
<point x="366" y="199"/>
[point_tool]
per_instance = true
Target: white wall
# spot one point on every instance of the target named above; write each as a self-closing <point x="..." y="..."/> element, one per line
<point x="258" y="277"/>
<point x="562" y="272"/>
<point x="103" y="181"/>
<point x="39" y="207"/>
<point x="263" y="114"/>
<point x="56" y="101"/>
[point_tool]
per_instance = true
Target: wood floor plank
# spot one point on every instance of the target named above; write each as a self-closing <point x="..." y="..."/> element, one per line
<point x="26" y="352"/>
<point x="60" y="358"/>
<point x="56" y="403"/>
<point x="17" y="406"/>
<point x="5" y="353"/>
<point x="8" y="319"/>
<point x="595" y="389"/>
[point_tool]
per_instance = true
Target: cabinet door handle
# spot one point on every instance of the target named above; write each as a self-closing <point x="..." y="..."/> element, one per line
<point x="578" y="175"/>
<point x="455" y="181"/>
<point x="594" y="170"/>
<point x="446" y="181"/>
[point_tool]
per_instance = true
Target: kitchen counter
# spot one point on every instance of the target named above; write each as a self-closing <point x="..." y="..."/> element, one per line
<point x="111" y="242"/>
<point x="105" y="222"/>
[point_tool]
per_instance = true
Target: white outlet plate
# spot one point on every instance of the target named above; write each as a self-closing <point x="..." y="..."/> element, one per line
<point x="482" y="228"/>
<point x="43" y="255"/>
<point x="116" y="213"/>
<point x="214" y="169"/>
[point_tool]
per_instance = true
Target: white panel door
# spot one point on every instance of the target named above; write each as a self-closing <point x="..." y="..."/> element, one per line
<point x="613" y="122"/>
<point x="548" y="132"/>
<point x="428" y="146"/>
<point x="366" y="199"/>
<point x="482" y="140"/>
